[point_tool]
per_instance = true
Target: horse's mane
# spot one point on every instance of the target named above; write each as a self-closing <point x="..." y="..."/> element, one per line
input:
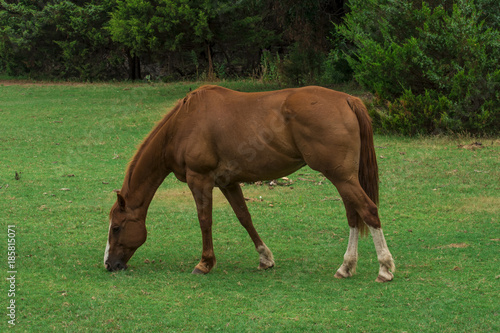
<point x="148" y="139"/>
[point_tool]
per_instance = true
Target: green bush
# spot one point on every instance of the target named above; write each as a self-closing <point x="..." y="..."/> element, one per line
<point x="270" y="67"/>
<point x="439" y="67"/>
<point x="336" y="68"/>
<point x="57" y="39"/>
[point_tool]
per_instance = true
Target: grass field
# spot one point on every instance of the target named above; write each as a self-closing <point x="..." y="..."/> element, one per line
<point x="64" y="149"/>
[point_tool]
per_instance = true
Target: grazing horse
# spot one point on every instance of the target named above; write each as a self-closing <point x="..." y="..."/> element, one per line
<point x="216" y="137"/>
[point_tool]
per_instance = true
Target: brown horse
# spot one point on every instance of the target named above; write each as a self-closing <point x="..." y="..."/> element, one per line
<point x="216" y="137"/>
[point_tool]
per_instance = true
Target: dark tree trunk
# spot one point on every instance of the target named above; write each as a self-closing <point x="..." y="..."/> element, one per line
<point x="134" y="67"/>
<point x="211" y="74"/>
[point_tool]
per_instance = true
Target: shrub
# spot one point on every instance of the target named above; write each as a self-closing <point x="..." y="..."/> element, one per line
<point x="336" y="68"/>
<point x="57" y="39"/>
<point x="270" y="67"/>
<point x="439" y="67"/>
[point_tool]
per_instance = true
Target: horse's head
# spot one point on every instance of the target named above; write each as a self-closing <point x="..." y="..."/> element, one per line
<point x="127" y="231"/>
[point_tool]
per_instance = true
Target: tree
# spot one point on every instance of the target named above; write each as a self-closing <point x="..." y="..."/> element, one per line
<point x="309" y="22"/>
<point x="61" y="39"/>
<point x="155" y="27"/>
<point x="90" y="39"/>
<point x="438" y="67"/>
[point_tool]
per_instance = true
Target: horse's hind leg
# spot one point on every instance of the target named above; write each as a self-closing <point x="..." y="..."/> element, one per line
<point x="348" y="267"/>
<point x="235" y="197"/>
<point x="384" y="256"/>
<point x="354" y="196"/>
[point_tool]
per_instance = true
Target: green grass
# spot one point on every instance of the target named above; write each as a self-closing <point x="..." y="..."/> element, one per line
<point x="439" y="205"/>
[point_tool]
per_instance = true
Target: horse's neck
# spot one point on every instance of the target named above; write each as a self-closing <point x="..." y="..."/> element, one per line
<point x="145" y="177"/>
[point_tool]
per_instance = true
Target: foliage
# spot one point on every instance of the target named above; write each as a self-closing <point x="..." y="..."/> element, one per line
<point x="441" y="226"/>
<point x="57" y="39"/>
<point x="433" y="65"/>
<point x="270" y="67"/>
<point x="167" y="39"/>
<point x="307" y="23"/>
<point x="440" y="68"/>
<point x="159" y="25"/>
<point x="336" y="68"/>
<point x="243" y="30"/>
<point x="302" y="66"/>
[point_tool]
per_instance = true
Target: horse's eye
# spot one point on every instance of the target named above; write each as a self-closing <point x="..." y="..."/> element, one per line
<point x="116" y="229"/>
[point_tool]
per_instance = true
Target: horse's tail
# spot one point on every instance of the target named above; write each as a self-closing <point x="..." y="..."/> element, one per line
<point x="368" y="168"/>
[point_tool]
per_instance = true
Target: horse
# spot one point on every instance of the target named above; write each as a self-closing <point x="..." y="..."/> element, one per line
<point x="217" y="137"/>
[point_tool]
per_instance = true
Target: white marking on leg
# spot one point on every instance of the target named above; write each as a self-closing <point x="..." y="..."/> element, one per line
<point x="348" y="267"/>
<point x="266" y="257"/>
<point x="383" y="254"/>
<point x="106" y="252"/>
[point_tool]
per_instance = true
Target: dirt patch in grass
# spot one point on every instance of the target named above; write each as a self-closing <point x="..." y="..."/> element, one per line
<point x="455" y="246"/>
<point x="182" y="197"/>
<point x="481" y="204"/>
<point x="472" y="146"/>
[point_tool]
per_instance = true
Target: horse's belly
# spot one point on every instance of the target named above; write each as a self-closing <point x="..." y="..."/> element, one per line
<point x="260" y="168"/>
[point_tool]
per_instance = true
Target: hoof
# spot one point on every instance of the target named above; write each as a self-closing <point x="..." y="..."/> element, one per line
<point x="198" y="271"/>
<point x="382" y="279"/>
<point x="339" y="276"/>
<point x="345" y="271"/>
<point x="263" y="267"/>
<point x="266" y="259"/>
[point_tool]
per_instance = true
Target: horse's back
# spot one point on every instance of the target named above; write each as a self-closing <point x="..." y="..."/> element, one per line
<point x="320" y="109"/>
<point x="220" y="109"/>
<point x="252" y="136"/>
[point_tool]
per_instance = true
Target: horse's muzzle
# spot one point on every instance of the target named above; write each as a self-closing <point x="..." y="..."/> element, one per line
<point x="115" y="266"/>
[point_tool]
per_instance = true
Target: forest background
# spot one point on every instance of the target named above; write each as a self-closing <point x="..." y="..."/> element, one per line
<point x="432" y="66"/>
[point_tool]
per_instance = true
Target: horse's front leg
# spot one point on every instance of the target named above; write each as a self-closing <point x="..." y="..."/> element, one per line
<point x="201" y="187"/>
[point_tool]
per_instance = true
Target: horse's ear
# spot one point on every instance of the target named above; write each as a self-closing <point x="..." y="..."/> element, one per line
<point x="121" y="201"/>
